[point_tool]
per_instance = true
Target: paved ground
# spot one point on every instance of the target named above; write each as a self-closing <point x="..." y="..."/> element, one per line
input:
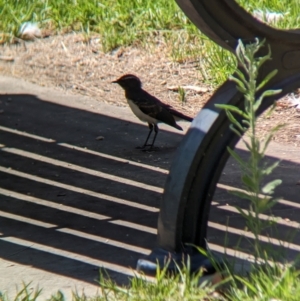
<point x="76" y="195"/>
<point x="71" y="203"/>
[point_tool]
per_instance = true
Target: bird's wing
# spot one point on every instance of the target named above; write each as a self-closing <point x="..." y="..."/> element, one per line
<point x="179" y="115"/>
<point x="153" y="107"/>
<point x="168" y="108"/>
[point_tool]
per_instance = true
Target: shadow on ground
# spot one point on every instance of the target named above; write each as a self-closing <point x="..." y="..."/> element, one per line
<point x="71" y="203"/>
<point x="281" y="241"/>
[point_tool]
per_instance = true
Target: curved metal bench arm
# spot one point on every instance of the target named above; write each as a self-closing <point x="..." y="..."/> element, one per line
<point x="202" y="154"/>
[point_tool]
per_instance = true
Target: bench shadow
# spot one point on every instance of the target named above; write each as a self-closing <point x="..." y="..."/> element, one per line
<point x="70" y="204"/>
<point x="280" y="241"/>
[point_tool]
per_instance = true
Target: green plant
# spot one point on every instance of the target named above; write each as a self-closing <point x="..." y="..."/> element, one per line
<point x="25" y="294"/>
<point x="289" y="10"/>
<point x="181" y="94"/>
<point x="254" y="170"/>
<point x="59" y="297"/>
<point x="137" y="22"/>
<point x="267" y="282"/>
<point x="184" y="285"/>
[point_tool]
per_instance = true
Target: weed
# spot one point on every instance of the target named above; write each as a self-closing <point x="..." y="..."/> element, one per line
<point x="182" y="95"/>
<point x="253" y="171"/>
<point x="25" y="294"/>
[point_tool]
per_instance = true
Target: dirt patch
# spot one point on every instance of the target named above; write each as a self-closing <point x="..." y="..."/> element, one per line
<point x="72" y="64"/>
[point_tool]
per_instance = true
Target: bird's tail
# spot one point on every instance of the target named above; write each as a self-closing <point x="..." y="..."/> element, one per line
<point x="179" y="116"/>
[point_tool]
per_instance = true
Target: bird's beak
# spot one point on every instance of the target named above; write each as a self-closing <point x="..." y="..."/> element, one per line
<point x="114" y="82"/>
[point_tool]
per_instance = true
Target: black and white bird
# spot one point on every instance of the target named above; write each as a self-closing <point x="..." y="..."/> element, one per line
<point x="148" y="108"/>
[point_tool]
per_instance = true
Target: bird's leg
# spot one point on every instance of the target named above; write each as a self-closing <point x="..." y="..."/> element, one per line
<point x="151" y="148"/>
<point x="155" y="131"/>
<point x="150" y="131"/>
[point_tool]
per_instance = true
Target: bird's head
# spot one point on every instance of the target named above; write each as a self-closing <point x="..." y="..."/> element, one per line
<point x="129" y="81"/>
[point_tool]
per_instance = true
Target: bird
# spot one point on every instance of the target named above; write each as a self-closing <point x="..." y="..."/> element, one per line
<point x="148" y="108"/>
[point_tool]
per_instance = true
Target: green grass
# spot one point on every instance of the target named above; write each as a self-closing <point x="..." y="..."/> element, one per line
<point x="289" y="7"/>
<point x="265" y="283"/>
<point x="183" y="286"/>
<point x="121" y="23"/>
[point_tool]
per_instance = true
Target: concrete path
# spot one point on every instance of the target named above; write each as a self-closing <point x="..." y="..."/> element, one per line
<point x="75" y="194"/>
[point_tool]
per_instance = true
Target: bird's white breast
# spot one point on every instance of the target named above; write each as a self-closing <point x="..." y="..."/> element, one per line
<point x="139" y="114"/>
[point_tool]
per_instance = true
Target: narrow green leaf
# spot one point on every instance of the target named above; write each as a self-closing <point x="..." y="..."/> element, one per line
<point x="248" y="181"/>
<point x="269" y="187"/>
<point x="268" y="170"/>
<point x="270" y="136"/>
<point x="221" y="106"/>
<point x="243" y="91"/>
<point x="267" y="79"/>
<point x="246" y="122"/>
<point x="241" y="75"/>
<point x="261" y="60"/>
<point x="249" y="147"/>
<point x="271" y="110"/>
<point x="257" y="143"/>
<point x="271" y="203"/>
<point x="239" y="83"/>
<point x="270" y="93"/>
<point x="240" y="53"/>
<point x="232" y="109"/>
<point x="237" y="157"/>
<point x="258" y="45"/>
<point x="234" y="121"/>
<point x="232" y="118"/>
<point x="241" y="194"/>
<point x="264" y="94"/>
<point x="257" y="104"/>
<point x="244" y="213"/>
<point x="232" y="128"/>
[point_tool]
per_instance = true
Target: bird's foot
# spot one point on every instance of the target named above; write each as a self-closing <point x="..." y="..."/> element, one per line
<point x="150" y="149"/>
<point x="143" y="147"/>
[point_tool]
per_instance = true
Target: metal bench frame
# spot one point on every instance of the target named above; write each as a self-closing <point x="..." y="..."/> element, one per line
<point x="202" y="154"/>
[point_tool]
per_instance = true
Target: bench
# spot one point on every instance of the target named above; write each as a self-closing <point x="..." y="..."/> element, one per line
<point x="193" y="176"/>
